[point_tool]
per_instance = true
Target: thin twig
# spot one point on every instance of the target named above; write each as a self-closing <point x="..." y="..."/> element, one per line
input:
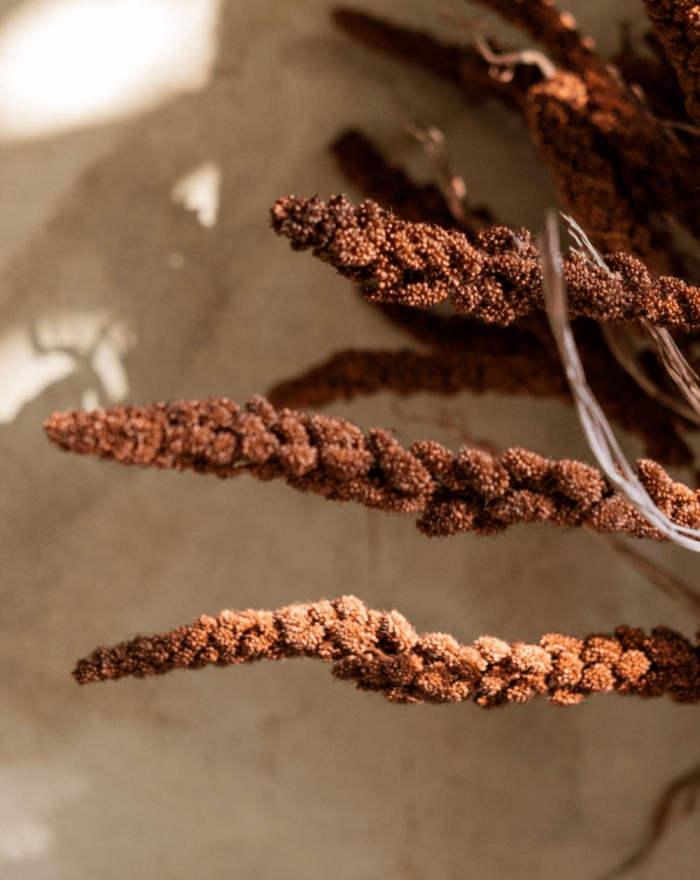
<point x="595" y="426"/>
<point x="686" y="785"/>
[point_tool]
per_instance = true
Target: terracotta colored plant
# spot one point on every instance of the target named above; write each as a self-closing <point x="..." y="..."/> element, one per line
<point x="601" y="128"/>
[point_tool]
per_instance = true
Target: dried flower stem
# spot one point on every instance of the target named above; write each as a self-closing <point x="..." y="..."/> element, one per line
<point x="381" y="652"/>
<point x="556" y="30"/>
<point x="588" y="124"/>
<point x="465" y="354"/>
<point x="686" y="787"/>
<point x="562" y="125"/>
<point x="497" y="278"/>
<point x="366" y="168"/>
<point x="469" y="492"/>
<point x="453" y="188"/>
<point x="673" y="587"/>
<point x="464" y="66"/>
<point x="677" y="24"/>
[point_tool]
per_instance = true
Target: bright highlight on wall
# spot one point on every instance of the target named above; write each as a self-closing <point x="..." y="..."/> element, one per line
<point x="58" y="347"/>
<point x="70" y="63"/>
<point x="30" y="795"/>
<point x="198" y="191"/>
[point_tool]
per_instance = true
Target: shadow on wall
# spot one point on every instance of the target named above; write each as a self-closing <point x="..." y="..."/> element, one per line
<point x="132" y="250"/>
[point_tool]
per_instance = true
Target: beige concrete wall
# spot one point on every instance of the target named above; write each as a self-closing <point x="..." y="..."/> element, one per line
<point x="277" y="770"/>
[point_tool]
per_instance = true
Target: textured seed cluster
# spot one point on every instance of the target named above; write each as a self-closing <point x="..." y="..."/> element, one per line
<point x="472" y="491"/>
<point x="496" y="277"/>
<point x="380" y="651"/>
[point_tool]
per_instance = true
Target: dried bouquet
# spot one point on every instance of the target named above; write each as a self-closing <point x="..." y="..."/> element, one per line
<point x="621" y="139"/>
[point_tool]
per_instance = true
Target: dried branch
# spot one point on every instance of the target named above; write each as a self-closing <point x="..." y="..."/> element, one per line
<point x="464" y="356"/>
<point x="651" y="77"/>
<point x="597" y="139"/>
<point x="677" y="24"/>
<point x="452" y="186"/>
<point x="597" y="135"/>
<point x="464" y="66"/>
<point x="467" y="355"/>
<point x="497" y="277"/>
<point x="596" y="428"/>
<point x="556" y="30"/>
<point x="468" y="492"/>
<point x="686" y="786"/>
<point x="367" y="169"/>
<point x="620" y="342"/>
<point x="381" y="652"/>
<point x="562" y="125"/>
<point x="673" y="587"/>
